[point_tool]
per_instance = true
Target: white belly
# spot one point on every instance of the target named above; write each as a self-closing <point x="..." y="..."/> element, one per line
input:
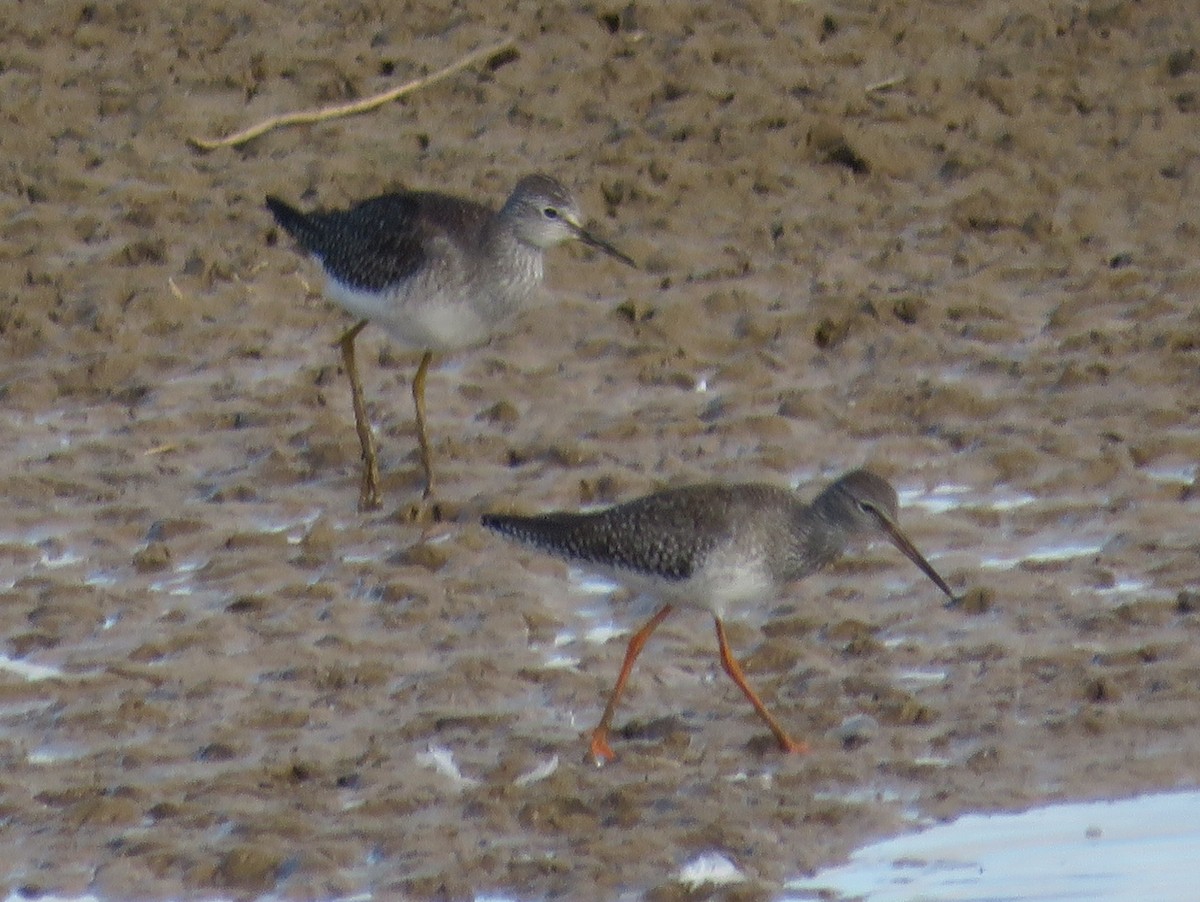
<point x="731" y="587"/>
<point x="724" y="588"/>
<point x="436" y="322"/>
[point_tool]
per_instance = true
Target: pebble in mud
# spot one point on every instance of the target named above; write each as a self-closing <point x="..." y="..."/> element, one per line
<point x="249" y="867"/>
<point x="502" y="413"/>
<point x="154" y="557"/>
<point x="856" y="730"/>
<point x="976" y="600"/>
<point x="426" y="556"/>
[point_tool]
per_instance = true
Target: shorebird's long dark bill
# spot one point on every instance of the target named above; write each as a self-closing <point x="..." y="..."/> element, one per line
<point x="592" y="241"/>
<point x="900" y="540"/>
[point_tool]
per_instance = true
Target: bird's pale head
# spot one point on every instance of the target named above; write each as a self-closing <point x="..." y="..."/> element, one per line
<point x="545" y="213"/>
<point x="859" y="502"/>
<point x="862" y="503"/>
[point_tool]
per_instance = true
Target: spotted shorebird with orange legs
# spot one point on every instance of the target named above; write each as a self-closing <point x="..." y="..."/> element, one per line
<point x="723" y="548"/>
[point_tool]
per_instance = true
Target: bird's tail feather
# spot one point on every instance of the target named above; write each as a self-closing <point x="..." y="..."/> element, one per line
<point x="546" y="532"/>
<point x="304" y="228"/>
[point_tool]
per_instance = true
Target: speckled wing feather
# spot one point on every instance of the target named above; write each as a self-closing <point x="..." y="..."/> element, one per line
<point x="666" y="534"/>
<point x="384" y="240"/>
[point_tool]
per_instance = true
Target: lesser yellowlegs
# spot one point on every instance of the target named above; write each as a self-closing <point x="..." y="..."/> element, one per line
<point x="438" y="272"/>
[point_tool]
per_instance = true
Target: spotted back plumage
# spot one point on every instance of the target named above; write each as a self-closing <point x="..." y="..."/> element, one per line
<point x="671" y="534"/>
<point x="380" y="242"/>
<point x="667" y="535"/>
<point x="424" y="247"/>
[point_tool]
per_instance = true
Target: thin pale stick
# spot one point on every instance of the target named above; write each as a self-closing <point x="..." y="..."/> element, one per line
<point x="368" y="492"/>
<point x="734" y="669"/>
<point x="886" y="84"/>
<point x="320" y="114"/>
<point x="600" y="750"/>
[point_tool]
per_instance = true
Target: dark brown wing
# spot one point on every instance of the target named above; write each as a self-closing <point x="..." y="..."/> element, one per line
<point x="384" y="240"/>
<point x="667" y="534"/>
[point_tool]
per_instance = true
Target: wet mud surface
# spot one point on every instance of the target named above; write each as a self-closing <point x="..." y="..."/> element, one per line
<point x="955" y="243"/>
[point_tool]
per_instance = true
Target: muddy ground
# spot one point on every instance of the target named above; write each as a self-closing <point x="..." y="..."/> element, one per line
<point x="955" y="242"/>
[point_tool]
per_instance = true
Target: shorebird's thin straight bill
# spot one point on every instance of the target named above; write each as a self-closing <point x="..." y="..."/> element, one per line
<point x="591" y="240"/>
<point x="909" y="550"/>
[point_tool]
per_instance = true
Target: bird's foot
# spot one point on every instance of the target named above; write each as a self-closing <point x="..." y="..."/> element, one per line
<point x="600" y="752"/>
<point x="423" y="512"/>
<point x="369" y="497"/>
<point x="790" y="746"/>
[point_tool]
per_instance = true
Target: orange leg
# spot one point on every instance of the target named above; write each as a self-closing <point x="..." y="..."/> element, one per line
<point x="368" y="493"/>
<point x="734" y="669"/>
<point x="601" y="751"/>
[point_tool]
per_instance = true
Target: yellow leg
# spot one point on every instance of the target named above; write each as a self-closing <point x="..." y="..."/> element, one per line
<point x="368" y="493"/>
<point x="418" y="393"/>
<point x="734" y="669"/>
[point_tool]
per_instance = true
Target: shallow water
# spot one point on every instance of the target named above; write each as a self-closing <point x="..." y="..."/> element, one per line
<point x="952" y="497"/>
<point x="1129" y="850"/>
<point x="27" y="669"/>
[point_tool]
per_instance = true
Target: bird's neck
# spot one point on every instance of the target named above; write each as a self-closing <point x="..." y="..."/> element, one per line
<point x="815" y="542"/>
<point x="517" y="264"/>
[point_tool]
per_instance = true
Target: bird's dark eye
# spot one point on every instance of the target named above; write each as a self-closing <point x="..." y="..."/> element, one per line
<point x="866" y="507"/>
<point x="550" y="212"/>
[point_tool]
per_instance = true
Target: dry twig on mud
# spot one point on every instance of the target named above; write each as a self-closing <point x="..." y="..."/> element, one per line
<point x="358" y="106"/>
<point x="887" y="83"/>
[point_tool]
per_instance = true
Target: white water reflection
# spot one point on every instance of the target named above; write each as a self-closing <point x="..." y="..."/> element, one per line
<point x="182" y="579"/>
<point x="101" y="579"/>
<point x="1131" y="585"/>
<point x="1125" y="851"/>
<point x="711" y="869"/>
<point x="589" y="582"/>
<point x="56" y="754"/>
<point x="952" y="496"/>
<point x="603" y="633"/>
<point x="31" y="672"/>
<point x="295" y="526"/>
<point x="919" y="678"/>
<point x="1183" y="473"/>
<point x="561" y="662"/>
<point x="54" y="558"/>
<point x="441" y="760"/>
<point x="1040" y="551"/>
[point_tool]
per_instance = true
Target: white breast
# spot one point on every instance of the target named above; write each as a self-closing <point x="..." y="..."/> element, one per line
<point x="434" y="321"/>
<point x="724" y="586"/>
<point x="448" y="306"/>
<point x="729" y="585"/>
